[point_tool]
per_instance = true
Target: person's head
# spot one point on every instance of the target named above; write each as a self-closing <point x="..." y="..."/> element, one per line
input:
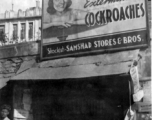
<point x="58" y="5"/>
<point x="5" y="109"/>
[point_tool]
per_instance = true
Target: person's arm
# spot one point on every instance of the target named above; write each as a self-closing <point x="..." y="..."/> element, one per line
<point x="51" y="24"/>
<point x="79" y="17"/>
<point x="46" y="25"/>
<point x="78" y="22"/>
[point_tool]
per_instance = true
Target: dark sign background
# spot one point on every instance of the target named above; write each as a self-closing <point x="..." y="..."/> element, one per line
<point x="121" y="41"/>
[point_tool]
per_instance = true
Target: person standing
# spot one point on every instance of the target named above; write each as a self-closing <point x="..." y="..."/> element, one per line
<point x="5" y="110"/>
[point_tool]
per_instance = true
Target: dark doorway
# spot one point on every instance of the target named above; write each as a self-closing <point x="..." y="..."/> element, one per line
<point x="2" y="33"/>
<point x="95" y="98"/>
<point x="6" y="97"/>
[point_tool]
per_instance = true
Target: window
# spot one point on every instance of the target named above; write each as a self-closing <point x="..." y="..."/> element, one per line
<point x="30" y="30"/>
<point x="15" y="32"/>
<point x="2" y="33"/>
<point x="22" y="31"/>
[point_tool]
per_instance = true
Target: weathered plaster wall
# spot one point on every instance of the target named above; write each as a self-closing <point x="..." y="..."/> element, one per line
<point x="20" y="50"/>
<point x="12" y="57"/>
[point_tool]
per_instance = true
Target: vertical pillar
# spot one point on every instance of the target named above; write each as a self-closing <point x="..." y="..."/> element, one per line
<point x="10" y="31"/>
<point x="27" y="30"/>
<point x="39" y="28"/>
<point x="36" y="30"/>
<point x="33" y="39"/>
<point x="6" y="29"/>
<point x="12" y="101"/>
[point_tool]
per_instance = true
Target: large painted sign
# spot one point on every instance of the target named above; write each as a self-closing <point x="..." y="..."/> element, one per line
<point x="74" y="27"/>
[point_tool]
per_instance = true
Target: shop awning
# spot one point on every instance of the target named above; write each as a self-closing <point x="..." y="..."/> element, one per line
<point x="73" y="72"/>
<point x="3" y="82"/>
<point x="99" y="65"/>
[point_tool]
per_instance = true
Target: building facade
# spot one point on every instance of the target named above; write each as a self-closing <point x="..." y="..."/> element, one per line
<point x="21" y="26"/>
<point x="84" y="87"/>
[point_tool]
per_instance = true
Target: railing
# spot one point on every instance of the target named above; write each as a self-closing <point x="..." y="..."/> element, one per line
<point x="11" y="42"/>
<point x="5" y="41"/>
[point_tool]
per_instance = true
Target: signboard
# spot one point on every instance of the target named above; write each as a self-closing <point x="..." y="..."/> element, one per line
<point x="74" y="27"/>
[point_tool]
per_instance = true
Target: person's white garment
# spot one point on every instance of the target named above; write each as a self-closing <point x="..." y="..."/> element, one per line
<point x="18" y="115"/>
<point x="6" y="118"/>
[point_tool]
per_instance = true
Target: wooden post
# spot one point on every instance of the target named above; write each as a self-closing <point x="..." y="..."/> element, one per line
<point x="11" y="88"/>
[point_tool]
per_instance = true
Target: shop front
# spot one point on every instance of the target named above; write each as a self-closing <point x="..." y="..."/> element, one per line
<point x="85" y="71"/>
<point x="93" y="98"/>
<point x="90" y="87"/>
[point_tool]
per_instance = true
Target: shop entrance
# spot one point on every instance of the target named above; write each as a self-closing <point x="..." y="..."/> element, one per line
<point x="94" y="98"/>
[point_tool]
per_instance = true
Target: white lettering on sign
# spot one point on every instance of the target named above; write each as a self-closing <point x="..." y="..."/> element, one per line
<point x="57" y="50"/>
<point x="80" y="46"/>
<point x="132" y="39"/>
